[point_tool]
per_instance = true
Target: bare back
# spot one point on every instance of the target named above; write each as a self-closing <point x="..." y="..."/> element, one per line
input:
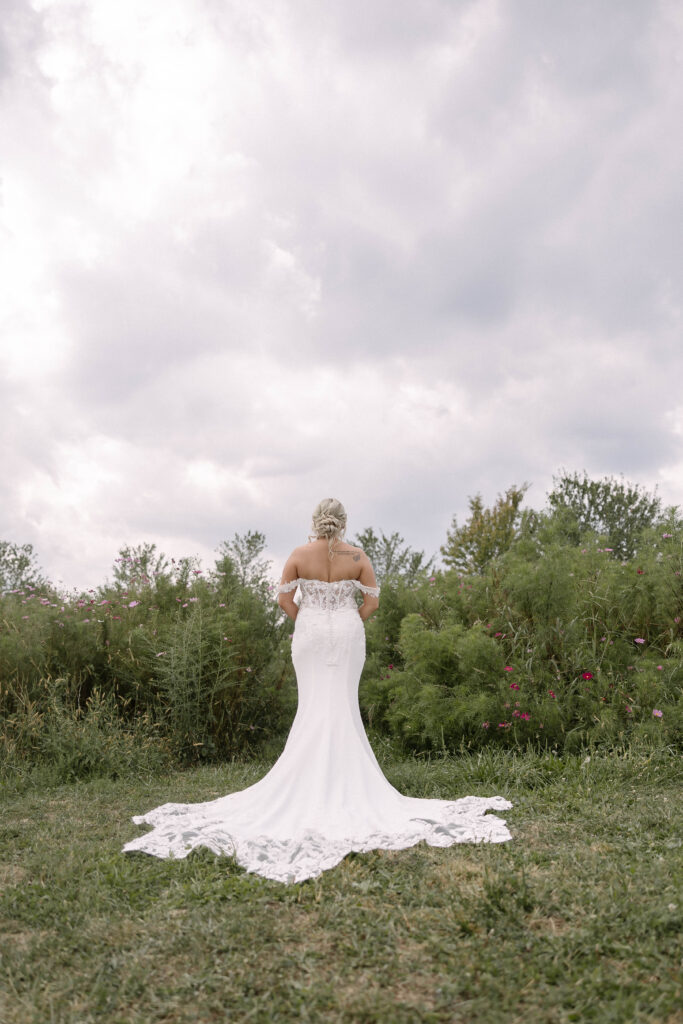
<point x="311" y="561"/>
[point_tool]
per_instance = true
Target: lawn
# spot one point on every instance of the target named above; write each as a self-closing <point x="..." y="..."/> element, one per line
<point x="577" y="919"/>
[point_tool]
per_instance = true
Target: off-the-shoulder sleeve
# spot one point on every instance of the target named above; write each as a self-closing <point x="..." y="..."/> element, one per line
<point x="284" y="588"/>
<point x="372" y="591"/>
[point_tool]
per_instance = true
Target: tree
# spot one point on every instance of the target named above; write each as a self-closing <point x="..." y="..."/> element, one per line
<point x="611" y="507"/>
<point x="242" y="556"/>
<point x="392" y="557"/>
<point x="18" y="567"/>
<point x="488" y="532"/>
<point x="139" y="563"/>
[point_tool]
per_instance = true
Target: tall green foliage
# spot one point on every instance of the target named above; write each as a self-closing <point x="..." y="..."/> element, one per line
<point x="198" y="660"/>
<point x="613" y="508"/>
<point x="19" y="567"/>
<point x="392" y="558"/>
<point x="488" y="532"/>
<point x="591" y="649"/>
<point x="531" y="634"/>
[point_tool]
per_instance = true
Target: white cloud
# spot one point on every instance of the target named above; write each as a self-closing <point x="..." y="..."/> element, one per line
<point x="258" y="253"/>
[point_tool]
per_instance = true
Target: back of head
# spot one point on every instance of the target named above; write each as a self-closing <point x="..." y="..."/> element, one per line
<point x="329" y="521"/>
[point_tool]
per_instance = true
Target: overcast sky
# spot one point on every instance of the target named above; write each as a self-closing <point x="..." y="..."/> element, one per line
<point x="260" y="252"/>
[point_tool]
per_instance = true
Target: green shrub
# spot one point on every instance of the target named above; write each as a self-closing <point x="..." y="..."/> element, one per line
<point x="70" y="743"/>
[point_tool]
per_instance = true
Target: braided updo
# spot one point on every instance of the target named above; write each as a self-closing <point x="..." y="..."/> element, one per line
<point x="329" y="520"/>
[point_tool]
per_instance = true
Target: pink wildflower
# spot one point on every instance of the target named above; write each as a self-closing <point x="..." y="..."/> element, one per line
<point x="514" y="686"/>
<point x="656" y="713"/>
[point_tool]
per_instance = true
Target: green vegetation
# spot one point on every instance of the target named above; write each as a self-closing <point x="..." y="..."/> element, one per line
<point x="535" y="634"/>
<point x="577" y="919"/>
<point x="542" y="663"/>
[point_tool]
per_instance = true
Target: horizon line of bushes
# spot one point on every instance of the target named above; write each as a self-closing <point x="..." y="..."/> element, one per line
<point x="559" y="629"/>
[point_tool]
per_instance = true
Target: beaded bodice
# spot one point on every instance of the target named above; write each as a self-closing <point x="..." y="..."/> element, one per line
<point x="327" y="595"/>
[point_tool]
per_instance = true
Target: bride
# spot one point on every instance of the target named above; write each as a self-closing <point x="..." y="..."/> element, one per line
<point x="326" y="795"/>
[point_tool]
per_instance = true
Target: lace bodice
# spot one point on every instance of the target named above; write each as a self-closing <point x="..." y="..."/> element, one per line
<point x="328" y="596"/>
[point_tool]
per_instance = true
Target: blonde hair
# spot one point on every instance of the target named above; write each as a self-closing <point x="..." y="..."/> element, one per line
<point x="329" y="520"/>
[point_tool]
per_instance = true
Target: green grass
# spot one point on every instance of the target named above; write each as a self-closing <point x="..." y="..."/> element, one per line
<point x="577" y="919"/>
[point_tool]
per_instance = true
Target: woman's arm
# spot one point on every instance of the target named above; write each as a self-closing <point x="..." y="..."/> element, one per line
<point x="286" y="600"/>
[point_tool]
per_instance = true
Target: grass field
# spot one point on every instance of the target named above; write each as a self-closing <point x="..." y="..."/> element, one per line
<point x="577" y="919"/>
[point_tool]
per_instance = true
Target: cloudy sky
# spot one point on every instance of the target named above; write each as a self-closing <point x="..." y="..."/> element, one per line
<point x="259" y="252"/>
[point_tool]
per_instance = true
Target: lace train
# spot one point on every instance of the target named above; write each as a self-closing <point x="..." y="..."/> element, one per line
<point x="181" y="828"/>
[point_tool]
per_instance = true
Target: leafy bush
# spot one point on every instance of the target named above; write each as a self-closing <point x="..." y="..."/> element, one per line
<point x="589" y="648"/>
<point x="70" y="744"/>
<point x="548" y="638"/>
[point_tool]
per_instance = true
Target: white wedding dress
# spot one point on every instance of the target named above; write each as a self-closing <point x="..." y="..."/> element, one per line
<point x="326" y="795"/>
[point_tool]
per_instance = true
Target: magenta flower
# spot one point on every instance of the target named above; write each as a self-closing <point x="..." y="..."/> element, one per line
<point x="551" y="693"/>
<point x="133" y="604"/>
<point x="514" y="686"/>
<point x="659" y="668"/>
<point x="586" y="675"/>
<point x="485" y="725"/>
<point x="526" y="716"/>
<point x="503" y="725"/>
<point x="656" y="713"/>
<point x="515" y="713"/>
<point x="639" y="640"/>
<point x="509" y="668"/>
<point x="629" y="710"/>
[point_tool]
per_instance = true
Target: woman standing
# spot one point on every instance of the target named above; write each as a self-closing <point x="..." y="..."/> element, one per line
<point x="326" y="795"/>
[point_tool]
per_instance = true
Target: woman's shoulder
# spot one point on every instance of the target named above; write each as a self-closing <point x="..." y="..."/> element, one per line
<point x="351" y="550"/>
